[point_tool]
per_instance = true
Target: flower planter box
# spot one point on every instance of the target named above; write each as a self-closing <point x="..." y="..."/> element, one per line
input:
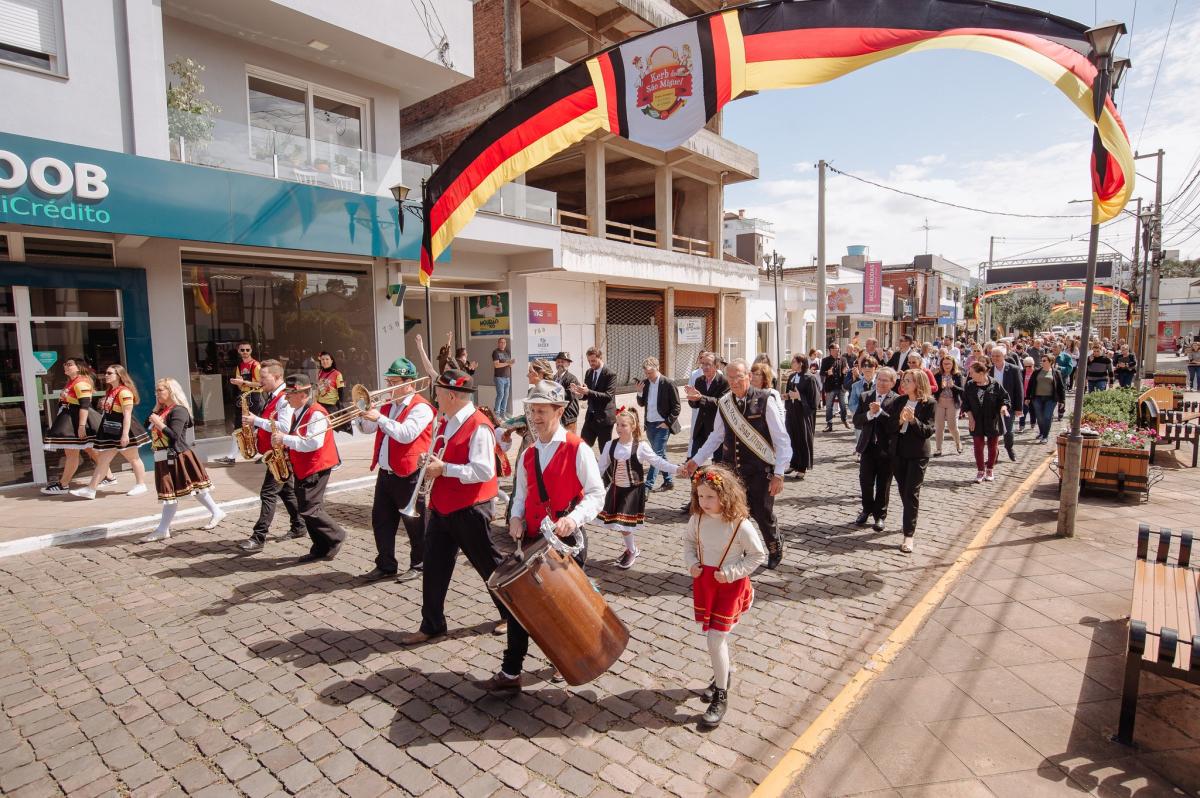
<point x="1170" y="378"/>
<point x="1121" y="470"/>
<point x="1089" y="456"/>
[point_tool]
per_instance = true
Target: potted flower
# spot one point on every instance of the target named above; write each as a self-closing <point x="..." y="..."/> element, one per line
<point x="1123" y="463"/>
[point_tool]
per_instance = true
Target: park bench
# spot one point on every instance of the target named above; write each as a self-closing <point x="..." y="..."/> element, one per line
<point x="1171" y="426"/>
<point x="1164" y="627"/>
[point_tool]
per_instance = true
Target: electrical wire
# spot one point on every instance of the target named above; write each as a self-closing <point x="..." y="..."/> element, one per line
<point x="1154" y="85"/>
<point x="954" y="204"/>
<point x="1129" y="52"/>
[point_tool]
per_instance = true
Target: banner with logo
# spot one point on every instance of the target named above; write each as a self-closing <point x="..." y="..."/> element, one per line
<point x="664" y="87"/>
<point x="489" y="315"/>
<point x="873" y="286"/>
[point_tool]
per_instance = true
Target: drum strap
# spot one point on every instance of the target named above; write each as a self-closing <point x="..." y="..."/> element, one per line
<point x="543" y="494"/>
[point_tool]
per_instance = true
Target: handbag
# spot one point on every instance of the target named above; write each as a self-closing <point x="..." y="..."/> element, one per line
<point x="112" y="426"/>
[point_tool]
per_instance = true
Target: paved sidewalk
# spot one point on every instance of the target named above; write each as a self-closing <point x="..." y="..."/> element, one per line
<point x="1012" y="688"/>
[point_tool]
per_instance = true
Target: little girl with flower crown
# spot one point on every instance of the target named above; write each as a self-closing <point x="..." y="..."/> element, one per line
<point x="721" y="547"/>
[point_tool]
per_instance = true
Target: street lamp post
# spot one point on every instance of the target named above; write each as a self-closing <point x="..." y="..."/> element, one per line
<point x="774" y="262"/>
<point x="1103" y="39"/>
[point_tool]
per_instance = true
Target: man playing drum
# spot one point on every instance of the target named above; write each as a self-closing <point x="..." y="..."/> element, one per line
<point x="557" y="477"/>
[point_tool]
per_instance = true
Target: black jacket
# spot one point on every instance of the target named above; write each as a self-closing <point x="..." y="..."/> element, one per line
<point x="668" y="401"/>
<point x="913" y="443"/>
<point x="985" y="409"/>
<point x="178" y="421"/>
<point x="894" y="362"/>
<point x="832" y="381"/>
<point x="956" y="387"/>
<point x="875" y="431"/>
<point x="706" y="405"/>
<point x="1013" y="385"/>
<point x="1060" y="388"/>
<point x="601" y="394"/>
<point x="572" y="412"/>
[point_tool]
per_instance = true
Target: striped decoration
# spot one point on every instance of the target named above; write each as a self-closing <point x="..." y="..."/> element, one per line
<point x="766" y="45"/>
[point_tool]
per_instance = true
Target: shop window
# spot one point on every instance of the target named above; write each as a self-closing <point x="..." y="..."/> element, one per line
<point x="634" y="333"/>
<point x="286" y="312"/>
<point x="4" y="248"/>
<point x="31" y="35"/>
<point x="7" y="307"/>
<point x="68" y="251"/>
<point x="74" y="302"/>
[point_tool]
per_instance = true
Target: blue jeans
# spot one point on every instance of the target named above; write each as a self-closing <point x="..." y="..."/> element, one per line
<point x="1194" y="377"/>
<point x="1043" y="411"/>
<point x="1097" y="385"/>
<point x="840" y="396"/>
<point x="503" y="386"/>
<point x="657" y="436"/>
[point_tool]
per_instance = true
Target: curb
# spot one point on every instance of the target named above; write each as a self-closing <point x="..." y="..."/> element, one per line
<point x="130" y="526"/>
<point x="800" y="755"/>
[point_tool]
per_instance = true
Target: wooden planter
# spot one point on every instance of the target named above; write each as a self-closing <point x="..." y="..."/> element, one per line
<point x="1090" y="454"/>
<point x="1170" y="378"/>
<point x="1121" y="470"/>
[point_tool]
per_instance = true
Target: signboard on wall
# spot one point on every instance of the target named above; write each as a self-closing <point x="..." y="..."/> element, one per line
<point x="865" y="325"/>
<point x="949" y="315"/>
<point x="849" y="300"/>
<point x="873" y="286"/>
<point x="689" y="331"/>
<point x="489" y="315"/>
<point x="545" y="341"/>
<point x="543" y="313"/>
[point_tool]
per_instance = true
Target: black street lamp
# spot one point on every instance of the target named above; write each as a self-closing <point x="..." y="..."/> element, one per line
<point x="774" y="263"/>
<point x="400" y="193"/>
<point x="1103" y="38"/>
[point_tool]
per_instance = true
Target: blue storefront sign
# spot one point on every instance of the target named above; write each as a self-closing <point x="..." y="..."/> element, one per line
<point x="949" y="315"/>
<point x="51" y="184"/>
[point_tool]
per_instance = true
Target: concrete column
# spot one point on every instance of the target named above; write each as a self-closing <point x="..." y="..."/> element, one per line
<point x="602" y="315"/>
<point x="147" y="101"/>
<point x="715" y="213"/>
<point x="593" y="159"/>
<point x="512" y="39"/>
<point x="720" y="325"/>
<point x="795" y="337"/>
<point x="664" y="206"/>
<point x="668" y="364"/>
<point x="389" y="319"/>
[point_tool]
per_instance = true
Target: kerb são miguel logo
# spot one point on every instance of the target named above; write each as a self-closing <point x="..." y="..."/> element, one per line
<point x="664" y="81"/>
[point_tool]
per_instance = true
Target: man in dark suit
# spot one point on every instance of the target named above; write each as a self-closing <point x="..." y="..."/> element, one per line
<point x="876" y="408"/>
<point x="1011" y="379"/>
<point x="899" y="359"/>
<point x="658" y="396"/>
<point x="710" y="386"/>
<point x="600" y="390"/>
<point x="833" y="380"/>
<point x="564" y="377"/>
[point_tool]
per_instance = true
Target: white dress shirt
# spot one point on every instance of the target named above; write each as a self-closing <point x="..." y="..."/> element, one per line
<point x="311" y="435"/>
<point x="585" y="469"/>
<point x="779" y="437"/>
<point x="693" y="378"/>
<point x="283" y="413"/>
<point x="407" y="432"/>
<point x="998" y="374"/>
<point x="652" y="414"/>
<point x="482" y="452"/>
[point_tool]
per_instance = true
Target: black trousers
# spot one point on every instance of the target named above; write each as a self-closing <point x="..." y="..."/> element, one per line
<point x="762" y="505"/>
<point x="875" y="481"/>
<point x="596" y="430"/>
<point x="445" y="536"/>
<point x="393" y="492"/>
<point x="271" y="493"/>
<point x="1008" y="432"/>
<point x="518" y="638"/>
<point x="910" y="474"/>
<point x="322" y="530"/>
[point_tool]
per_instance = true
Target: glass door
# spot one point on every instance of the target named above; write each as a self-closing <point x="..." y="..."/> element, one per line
<point x="16" y="459"/>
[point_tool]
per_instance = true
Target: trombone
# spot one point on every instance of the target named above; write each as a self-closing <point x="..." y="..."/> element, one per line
<point x="423" y="486"/>
<point x="362" y="400"/>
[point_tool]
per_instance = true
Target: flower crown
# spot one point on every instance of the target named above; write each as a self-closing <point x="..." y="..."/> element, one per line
<point x="707" y="477"/>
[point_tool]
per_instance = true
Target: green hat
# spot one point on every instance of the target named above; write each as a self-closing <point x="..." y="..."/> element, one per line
<point x="401" y="367"/>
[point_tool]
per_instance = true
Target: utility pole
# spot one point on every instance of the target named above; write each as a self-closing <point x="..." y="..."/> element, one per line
<point x="987" y="308"/>
<point x="821" y="298"/>
<point x="1133" y="287"/>
<point x="1150" y="322"/>
<point x="1145" y="266"/>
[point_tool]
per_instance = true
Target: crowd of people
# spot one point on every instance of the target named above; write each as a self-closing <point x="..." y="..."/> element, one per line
<point x="583" y="460"/>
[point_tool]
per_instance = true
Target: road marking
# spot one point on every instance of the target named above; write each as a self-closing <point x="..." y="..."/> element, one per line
<point x="801" y="753"/>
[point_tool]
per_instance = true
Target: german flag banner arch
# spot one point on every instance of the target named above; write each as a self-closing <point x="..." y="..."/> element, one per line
<point x="660" y="88"/>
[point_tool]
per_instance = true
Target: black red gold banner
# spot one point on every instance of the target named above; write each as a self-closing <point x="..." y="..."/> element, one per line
<point x="661" y="87"/>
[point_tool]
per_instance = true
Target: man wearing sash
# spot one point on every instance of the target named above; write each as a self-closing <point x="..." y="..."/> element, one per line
<point x="556" y="478"/>
<point x="462" y="501"/>
<point x="272" y="491"/>
<point x="750" y="432"/>
<point x="403" y="428"/>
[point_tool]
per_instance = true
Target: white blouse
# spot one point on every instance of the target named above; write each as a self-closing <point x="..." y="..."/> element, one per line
<point x="706" y="537"/>
<point x="645" y="456"/>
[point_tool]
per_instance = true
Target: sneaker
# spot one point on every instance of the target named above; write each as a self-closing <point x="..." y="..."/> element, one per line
<point x="216" y="519"/>
<point x="906" y="545"/>
<point x="226" y="461"/>
<point x="979" y="476"/>
<point x="136" y="490"/>
<point x="84" y="493"/>
<point x="251" y="545"/>
<point x="627" y="559"/>
<point x="500" y="684"/>
<point x="989" y="477"/>
<point x="108" y="482"/>
<point x="156" y="535"/>
<point x="56" y="489"/>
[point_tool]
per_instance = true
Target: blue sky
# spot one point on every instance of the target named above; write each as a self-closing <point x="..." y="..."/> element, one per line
<point x="971" y="129"/>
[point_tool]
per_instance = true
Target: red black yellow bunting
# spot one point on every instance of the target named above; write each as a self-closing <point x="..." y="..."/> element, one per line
<point x="660" y="88"/>
<point x="1118" y="294"/>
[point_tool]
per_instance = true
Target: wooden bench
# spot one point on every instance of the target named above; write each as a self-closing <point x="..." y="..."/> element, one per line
<point x="1171" y="426"/>
<point x="1164" y="625"/>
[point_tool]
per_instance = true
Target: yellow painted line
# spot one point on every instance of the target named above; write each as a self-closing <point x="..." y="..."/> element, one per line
<point x="816" y="735"/>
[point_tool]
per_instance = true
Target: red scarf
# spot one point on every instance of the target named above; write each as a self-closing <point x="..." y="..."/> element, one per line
<point x="158" y="440"/>
<point x="69" y="390"/>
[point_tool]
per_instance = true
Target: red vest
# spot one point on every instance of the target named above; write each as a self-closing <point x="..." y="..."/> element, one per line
<point x="305" y="464"/>
<point x="562" y="484"/>
<point x="403" y="457"/>
<point x="262" y="438"/>
<point x="449" y="494"/>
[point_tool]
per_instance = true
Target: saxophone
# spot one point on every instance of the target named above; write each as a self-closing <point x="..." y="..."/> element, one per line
<point x="244" y="435"/>
<point x="276" y="460"/>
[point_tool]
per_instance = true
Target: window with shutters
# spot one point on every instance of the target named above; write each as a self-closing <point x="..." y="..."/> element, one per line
<point x="31" y="35"/>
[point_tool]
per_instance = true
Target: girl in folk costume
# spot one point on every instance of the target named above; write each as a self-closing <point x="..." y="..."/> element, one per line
<point x="75" y="425"/>
<point x="331" y="385"/>
<point x="721" y="547"/>
<point x="119" y="432"/>
<point x="177" y="470"/>
<point x="623" y="461"/>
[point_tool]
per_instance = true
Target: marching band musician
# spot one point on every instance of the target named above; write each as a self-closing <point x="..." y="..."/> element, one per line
<point x="272" y="491"/>
<point x="749" y="430"/>
<point x="403" y="430"/>
<point x="313" y="454"/>
<point x="557" y="478"/>
<point x="246" y="377"/>
<point x="461" y="501"/>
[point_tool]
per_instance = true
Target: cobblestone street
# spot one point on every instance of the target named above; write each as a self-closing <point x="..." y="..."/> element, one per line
<point x="186" y="668"/>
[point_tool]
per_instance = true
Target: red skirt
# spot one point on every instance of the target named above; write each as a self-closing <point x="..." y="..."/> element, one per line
<point x="719" y="605"/>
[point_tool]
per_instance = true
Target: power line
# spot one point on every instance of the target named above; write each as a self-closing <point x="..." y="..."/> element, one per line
<point x="1154" y="85"/>
<point x="954" y="204"/>
<point x="1129" y="52"/>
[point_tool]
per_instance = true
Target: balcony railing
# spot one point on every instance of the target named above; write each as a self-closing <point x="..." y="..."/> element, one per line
<point x="224" y="144"/>
<point x="573" y="222"/>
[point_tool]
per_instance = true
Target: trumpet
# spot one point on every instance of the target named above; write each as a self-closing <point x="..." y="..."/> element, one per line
<point x="362" y="400"/>
<point x="422" y="488"/>
<point x="244" y="435"/>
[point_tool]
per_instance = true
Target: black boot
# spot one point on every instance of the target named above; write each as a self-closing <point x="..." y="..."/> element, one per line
<point x="863" y="519"/>
<point x="707" y="695"/>
<point x="774" y="554"/>
<point x="716" y="709"/>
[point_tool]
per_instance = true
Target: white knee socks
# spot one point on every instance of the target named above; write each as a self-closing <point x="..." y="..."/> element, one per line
<point x="629" y="544"/>
<point x="168" y="513"/>
<point x="718" y="649"/>
<point x="206" y="499"/>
